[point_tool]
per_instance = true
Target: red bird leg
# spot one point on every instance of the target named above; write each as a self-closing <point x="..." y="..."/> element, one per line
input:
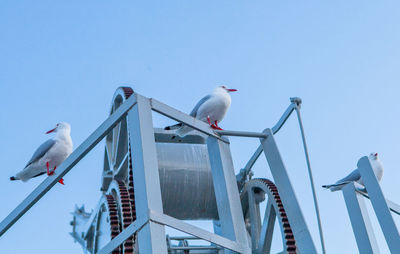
<point x="216" y="126"/>
<point x="48" y="172"/>
<point x="209" y="122"/>
<point x="61" y="180"/>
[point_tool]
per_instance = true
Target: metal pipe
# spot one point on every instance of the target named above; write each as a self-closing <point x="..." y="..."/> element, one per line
<point x="177" y="238"/>
<point x="241" y="134"/>
<point x="275" y="130"/>
<point x="297" y="102"/>
<point x="284" y="117"/>
<point x="194" y="248"/>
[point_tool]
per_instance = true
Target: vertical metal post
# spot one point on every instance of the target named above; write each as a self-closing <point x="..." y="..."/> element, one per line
<point x="267" y="230"/>
<point x="362" y="228"/>
<point x="254" y="211"/>
<point x="379" y="204"/>
<point x="226" y="192"/>
<point x="296" y="219"/>
<point x="321" y="235"/>
<point x="146" y="176"/>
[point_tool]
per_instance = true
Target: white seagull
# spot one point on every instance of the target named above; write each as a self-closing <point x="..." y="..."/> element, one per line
<point x="49" y="155"/>
<point x="210" y="109"/>
<point x="355" y="176"/>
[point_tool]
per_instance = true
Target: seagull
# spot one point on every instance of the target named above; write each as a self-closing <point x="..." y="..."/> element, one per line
<point x="210" y="109"/>
<point x="49" y="155"/>
<point x="355" y="176"/>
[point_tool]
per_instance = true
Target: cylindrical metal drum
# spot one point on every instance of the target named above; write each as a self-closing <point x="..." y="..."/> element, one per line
<point x="186" y="181"/>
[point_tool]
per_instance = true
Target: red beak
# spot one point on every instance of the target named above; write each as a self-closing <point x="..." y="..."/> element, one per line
<point x="51" y="130"/>
<point x="231" y="90"/>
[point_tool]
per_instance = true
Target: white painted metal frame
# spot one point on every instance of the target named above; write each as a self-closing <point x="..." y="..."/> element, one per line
<point x="363" y="231"/>
<point x="151" y="220"/>
<point x="299" y="227"/>
<point x="359" y="216"/>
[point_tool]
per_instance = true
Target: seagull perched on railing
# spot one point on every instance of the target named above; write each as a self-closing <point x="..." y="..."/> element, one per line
<point x="355" y="176"/>
<point x="49" y="155"/>
<point x="210" y="109"/>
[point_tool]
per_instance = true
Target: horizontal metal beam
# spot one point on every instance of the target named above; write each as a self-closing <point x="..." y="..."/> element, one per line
<point x="194" y="248"/>
<point x="195" y="231"/>
<point x="179" y="116"/>
<point x="241" y="134"/>
<point x="68" y="164"/>
<point x="125" y="234"/>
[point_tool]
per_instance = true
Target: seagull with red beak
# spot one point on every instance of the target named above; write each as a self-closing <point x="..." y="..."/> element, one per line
<point x="210" y="109"/>
<point x="355" y="176"/>
<point x="49" y="155"/>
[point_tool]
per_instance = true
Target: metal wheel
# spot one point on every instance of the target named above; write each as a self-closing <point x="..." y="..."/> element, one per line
<point x="117" y="179"/>
<point x="116" y="149"/>
<point x="261" y="233"/>
<point x="119" y="191"/>
<point x="107" y="224"/>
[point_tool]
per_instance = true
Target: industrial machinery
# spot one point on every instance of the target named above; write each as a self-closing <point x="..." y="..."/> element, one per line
<point x="151" y="180"/>
<point x="187" y="193"/>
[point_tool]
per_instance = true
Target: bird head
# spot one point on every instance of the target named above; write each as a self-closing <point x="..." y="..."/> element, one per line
<point x="60" y="127"/>
<point x="373" y="156"/>
<point x="226" y="89"/>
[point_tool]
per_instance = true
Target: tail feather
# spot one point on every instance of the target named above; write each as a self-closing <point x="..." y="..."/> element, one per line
<point x="173" y="127"/>
<point x="335" y="186"/>
<point x="13" y="178"/>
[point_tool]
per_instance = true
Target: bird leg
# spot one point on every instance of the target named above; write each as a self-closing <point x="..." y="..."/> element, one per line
<point x="211" y="124"/>
<point x="216" y="126"/>
<point x="48" y="172"/>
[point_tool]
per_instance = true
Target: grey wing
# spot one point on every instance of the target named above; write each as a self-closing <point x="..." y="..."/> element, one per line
<point x="196" y="108"/>
<point x="43" y="148"/>
<point x="352" y="177"/>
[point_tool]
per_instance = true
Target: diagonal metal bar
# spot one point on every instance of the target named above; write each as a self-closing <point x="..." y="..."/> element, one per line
<point x="310" y="175"/>
<point x="301" y="233"/>
<point x="125" y="234"/>
<point x="359" y="218"/>
<point x="67" y="165"/>
<point x="274" y="129"/>
<point x="392" y="205"/>
<point x="198" y="232"/>
<point x="379" y="204"/>
<point x="179" y="116"/>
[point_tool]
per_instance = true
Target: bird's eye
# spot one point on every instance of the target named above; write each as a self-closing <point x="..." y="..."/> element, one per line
<point x="224" y="87"/>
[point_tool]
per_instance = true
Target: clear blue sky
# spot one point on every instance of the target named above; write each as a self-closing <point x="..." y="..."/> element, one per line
<point x="62" y="61"/>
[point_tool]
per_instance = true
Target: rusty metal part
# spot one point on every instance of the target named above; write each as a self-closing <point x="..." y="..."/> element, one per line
<point x="289" y="242"/>
<point x="114" y="220"/>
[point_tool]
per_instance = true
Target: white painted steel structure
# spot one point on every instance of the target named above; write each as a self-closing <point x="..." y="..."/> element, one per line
<point x="230" y="234"/>
<point x="358" y="213"/>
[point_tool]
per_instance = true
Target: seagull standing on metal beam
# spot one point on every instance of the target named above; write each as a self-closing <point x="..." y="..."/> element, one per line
<point x="355" y="176"/>
<point x="210" y="109"/>
<point x="49" y="155"/>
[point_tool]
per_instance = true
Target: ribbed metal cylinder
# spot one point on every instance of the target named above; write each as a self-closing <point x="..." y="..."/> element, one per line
<point x="186" y="181"/>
